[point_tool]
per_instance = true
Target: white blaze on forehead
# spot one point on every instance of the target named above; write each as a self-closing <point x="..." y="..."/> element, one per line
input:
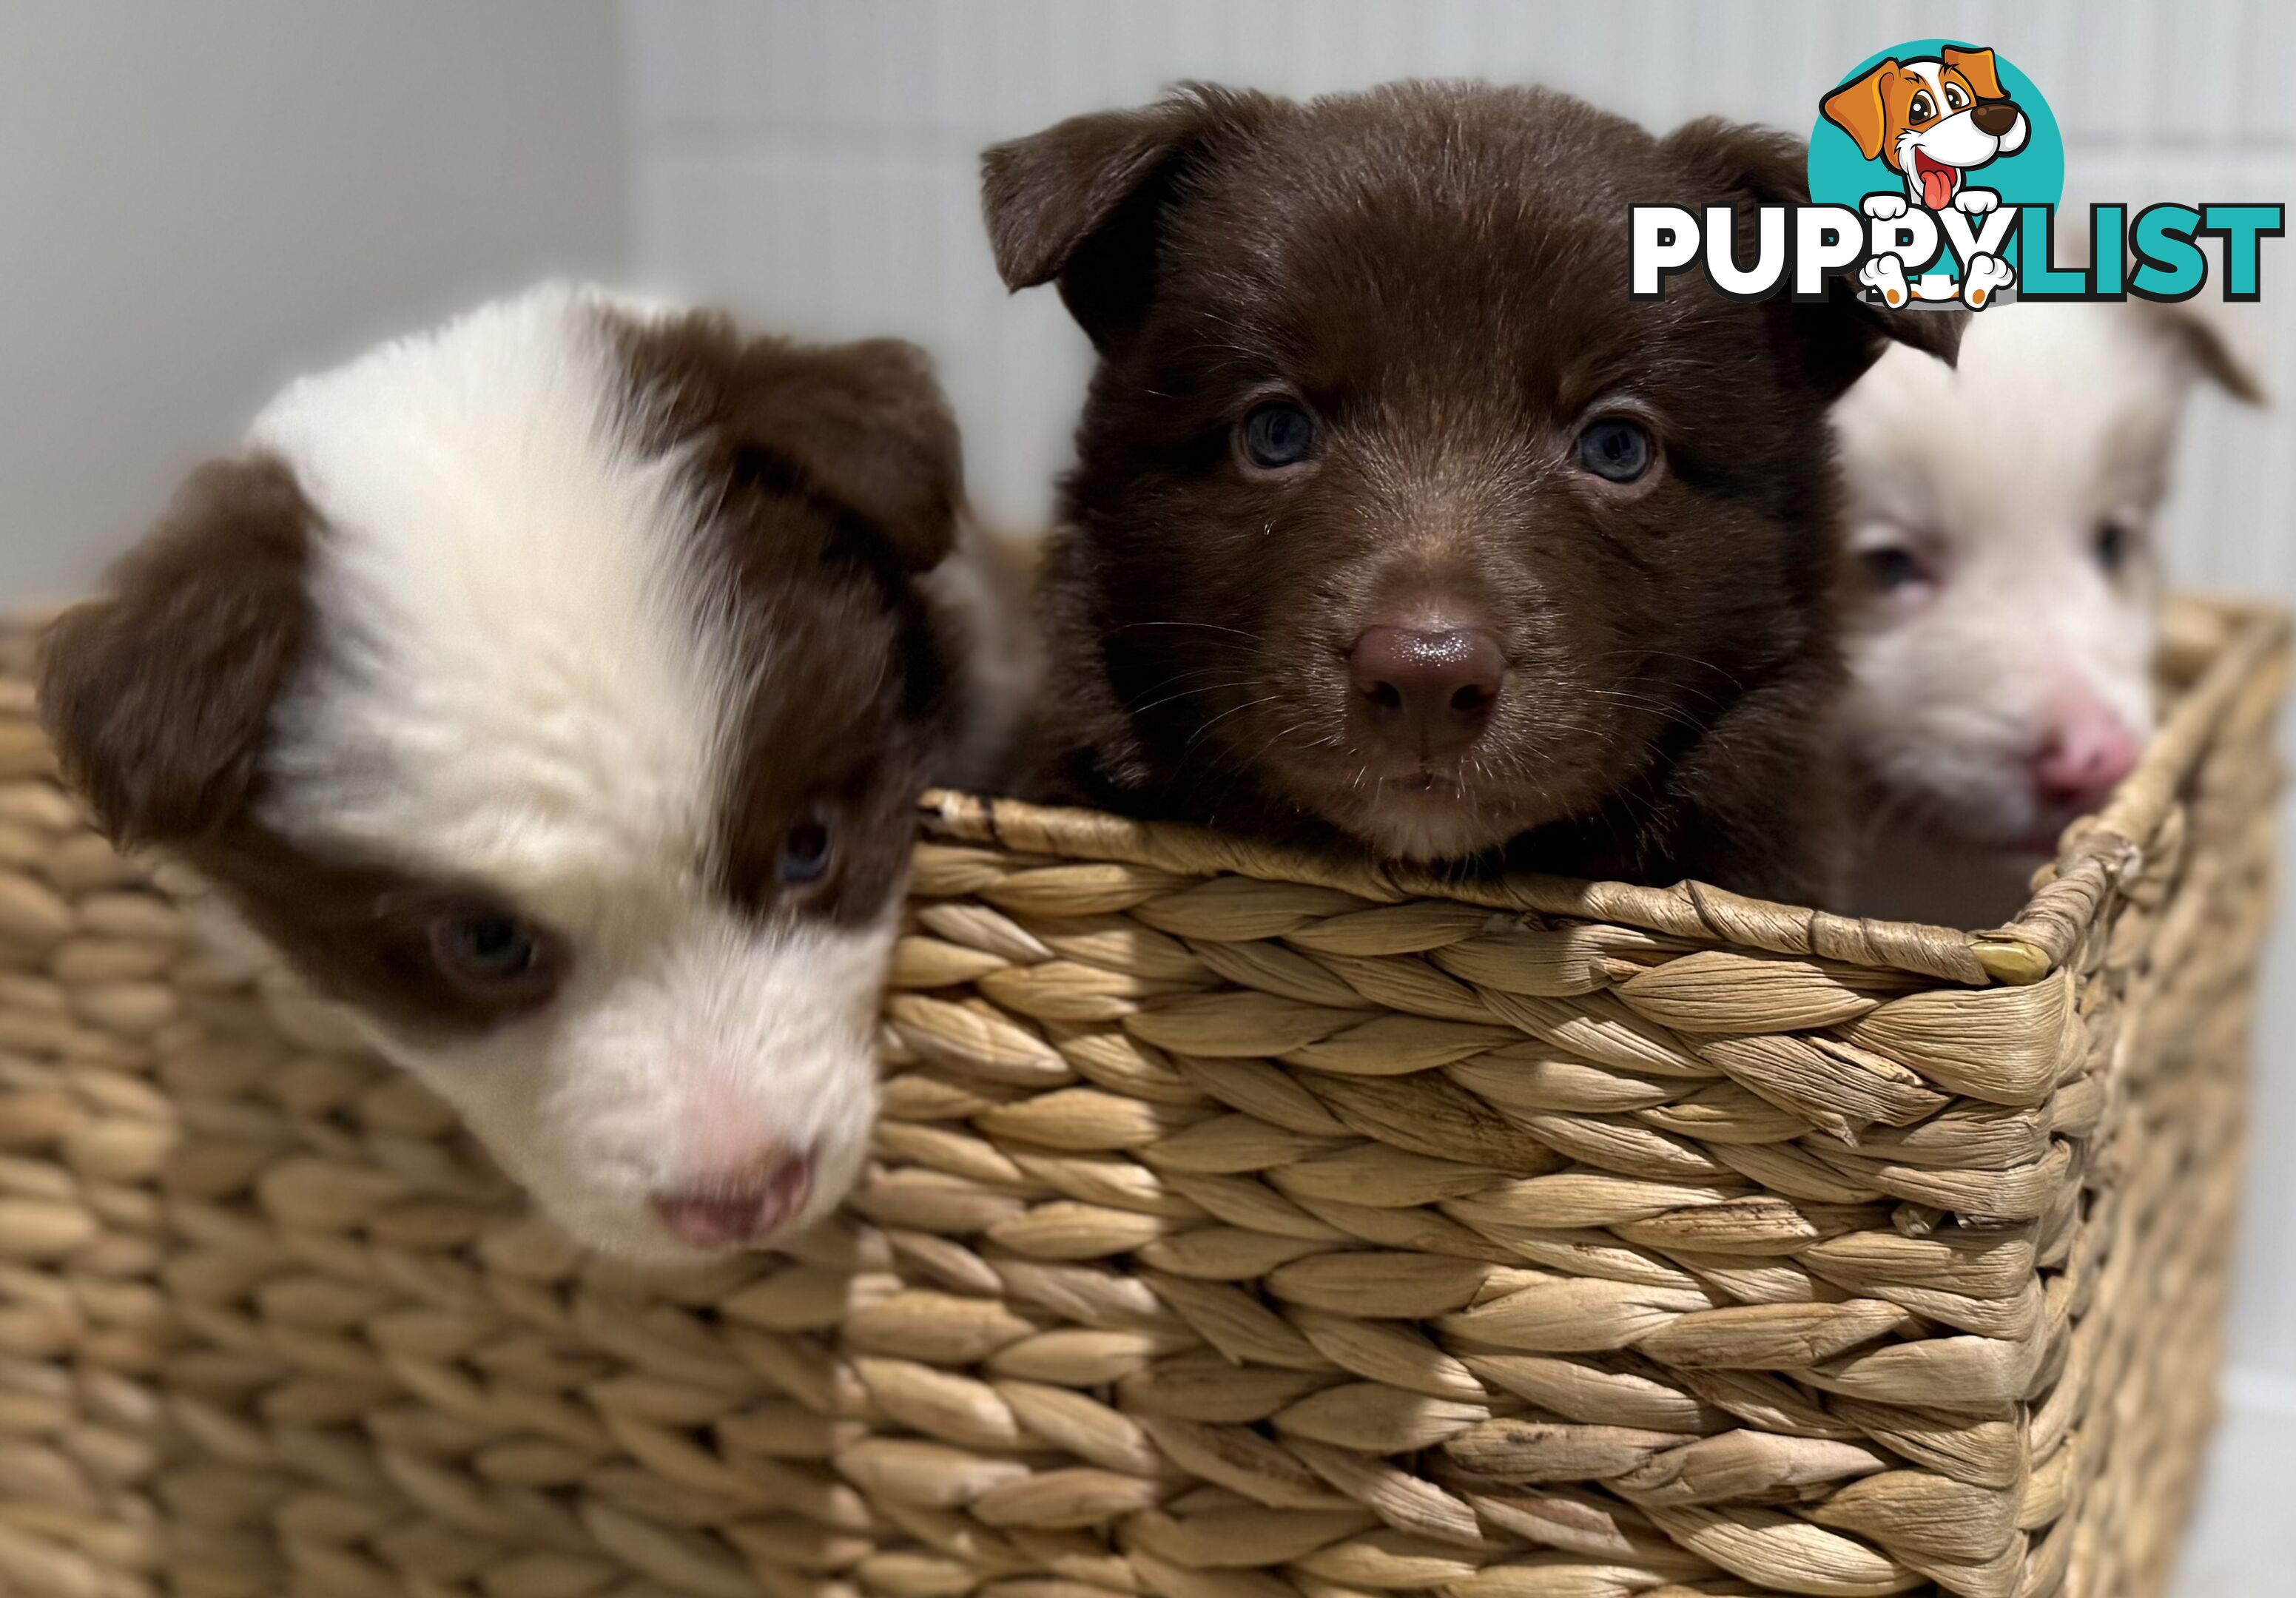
<point x="516" y="676"/>
<point x="1966" y="436"/>
<point x="1932" y="73"/>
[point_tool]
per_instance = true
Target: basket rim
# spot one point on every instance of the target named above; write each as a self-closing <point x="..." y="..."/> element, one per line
<point x="2243" y="637"/>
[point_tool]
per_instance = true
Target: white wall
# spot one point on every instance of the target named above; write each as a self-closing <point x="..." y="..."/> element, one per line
<point x="815" y="164"/>
<point x="197" y="201"/>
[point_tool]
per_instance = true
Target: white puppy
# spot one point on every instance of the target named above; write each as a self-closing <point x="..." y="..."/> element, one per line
<point x="555" y="690"/>
<point x="2004" y="589"/>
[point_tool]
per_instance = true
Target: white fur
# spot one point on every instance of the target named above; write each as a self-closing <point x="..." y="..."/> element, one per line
<point x="1886" y="273"/>
<point x="1955" y="140"/>
<point x="1996" y="475"/>
<point x="1986" y="276"/>
<point x="521" y="680"/>
<point x="982" y="589"/>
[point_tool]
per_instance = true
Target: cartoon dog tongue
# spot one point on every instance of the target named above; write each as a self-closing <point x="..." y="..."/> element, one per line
<point x="1937" y="182"/>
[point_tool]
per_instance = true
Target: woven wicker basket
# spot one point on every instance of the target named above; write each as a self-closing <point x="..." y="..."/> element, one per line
<point x="1242" y="1229"/>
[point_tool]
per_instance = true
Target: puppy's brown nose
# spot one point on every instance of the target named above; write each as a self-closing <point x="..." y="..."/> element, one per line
<point x="1994" y="117"/>
<point x="1426" y="693"/>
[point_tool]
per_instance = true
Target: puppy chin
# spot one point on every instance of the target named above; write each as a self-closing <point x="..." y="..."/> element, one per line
<point x="1976" y="807"/>
<point x="1412" y="817"/>
<point x="1427" y="827"/>
<point x="616" y="1219"/>
<point x="2028" y="841"/>
<point x="595" y="1117"/>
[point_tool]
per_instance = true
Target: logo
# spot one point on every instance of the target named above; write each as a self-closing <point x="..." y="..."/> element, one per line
<point x="1936" y="168"/>
<point x="1955" y="133"/>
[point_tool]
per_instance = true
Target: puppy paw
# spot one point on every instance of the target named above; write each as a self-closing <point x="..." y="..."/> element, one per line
<point x="1987" y="275"/>
<point x="1976" y="201"/>
<point x="1885" y="206"/>
<point x="1886" y="274"/>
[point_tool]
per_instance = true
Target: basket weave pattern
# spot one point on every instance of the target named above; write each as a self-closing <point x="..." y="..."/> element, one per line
<point x="1241" y="1228"/>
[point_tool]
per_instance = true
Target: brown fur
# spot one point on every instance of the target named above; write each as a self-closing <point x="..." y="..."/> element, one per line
<point x="838" y="477"/>
<point x="159" y="698"/>
<point x="843" y="477"/>
<point x="1438" y="274"/>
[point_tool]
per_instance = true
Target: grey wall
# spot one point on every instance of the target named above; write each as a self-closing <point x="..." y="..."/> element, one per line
<point x="198" y="201"/>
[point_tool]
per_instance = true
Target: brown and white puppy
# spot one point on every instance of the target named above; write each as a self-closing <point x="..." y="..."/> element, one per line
<point x="1932" y="120"/>
<point x="556" y="689"/>
<point x="2005" y="589"/>
<point x="1396" y="526"/>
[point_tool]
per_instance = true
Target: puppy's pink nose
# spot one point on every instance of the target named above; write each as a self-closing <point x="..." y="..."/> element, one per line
<point x="1426" y="693"/>
<point x="730" y="1212"/>
<point x="2084" y="760"/>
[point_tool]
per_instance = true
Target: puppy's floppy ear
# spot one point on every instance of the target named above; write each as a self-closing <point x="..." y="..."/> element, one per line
<point x="1079" y="201"/>
<point x="158" y="696"/>
<point x="1857" y="108"/>
<point x="864" y="426"/>
<point x="2203" y="338"/>
<point x="1977" y="66"/>
<point x="1834" y="338"/>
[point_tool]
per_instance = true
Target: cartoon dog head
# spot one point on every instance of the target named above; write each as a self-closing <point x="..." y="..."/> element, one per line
<point x="1932" y="118"/>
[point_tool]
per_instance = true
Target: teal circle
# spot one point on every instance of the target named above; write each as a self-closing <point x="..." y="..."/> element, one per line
<point x="1841" y="174"/>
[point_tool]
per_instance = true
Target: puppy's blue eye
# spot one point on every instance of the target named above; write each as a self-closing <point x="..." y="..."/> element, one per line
<point x="1892" y="569"/>
<point x="489" y="946"/>
<point x="505" y="963"/>
<point x="500" y="959"/>
<point x="1277" y="435"/>
<point x="804" y="854"/>
<point x="1616" y="450"/>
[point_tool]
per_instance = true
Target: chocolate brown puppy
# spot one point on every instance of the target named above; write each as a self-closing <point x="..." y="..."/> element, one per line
<point x="1396" y="526"/>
